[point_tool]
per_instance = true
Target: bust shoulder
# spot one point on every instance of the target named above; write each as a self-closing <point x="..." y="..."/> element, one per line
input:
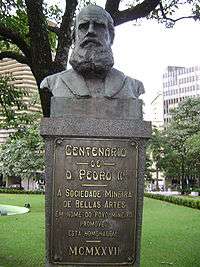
<point x="130" y="87"/>
<point x="69" y="83"/>
<point x="135" y="85"/>
<point x="51" y="81"/>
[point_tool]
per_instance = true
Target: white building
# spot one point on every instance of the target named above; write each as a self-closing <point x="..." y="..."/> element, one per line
<point x="178" y="84"/>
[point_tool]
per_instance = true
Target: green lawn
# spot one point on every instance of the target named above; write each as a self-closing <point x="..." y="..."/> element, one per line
<point x="22" y="236"/>
<point x="171" y="235"/>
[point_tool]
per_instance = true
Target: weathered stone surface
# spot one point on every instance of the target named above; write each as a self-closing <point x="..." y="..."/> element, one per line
<point x="93" y="127"/>
<point x="84" y="130"/>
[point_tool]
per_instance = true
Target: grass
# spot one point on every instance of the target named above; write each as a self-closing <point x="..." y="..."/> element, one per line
<point x="171" y="235"/>
<point x="22" y="236"/>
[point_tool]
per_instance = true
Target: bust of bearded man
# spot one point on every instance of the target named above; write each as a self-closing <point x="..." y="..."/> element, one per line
<point x="92" y="73"/>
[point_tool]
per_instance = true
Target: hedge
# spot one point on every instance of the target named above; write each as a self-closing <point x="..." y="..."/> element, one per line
<point x="182" y="201"/>
<point x="20" y="191"/>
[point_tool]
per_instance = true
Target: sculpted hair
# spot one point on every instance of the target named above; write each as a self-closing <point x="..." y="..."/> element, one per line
<point x="98" y="11"/>
<point x="111" y="29"/>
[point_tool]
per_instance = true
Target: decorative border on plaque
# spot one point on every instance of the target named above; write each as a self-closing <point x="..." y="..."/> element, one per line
<point x="94" y="201"/>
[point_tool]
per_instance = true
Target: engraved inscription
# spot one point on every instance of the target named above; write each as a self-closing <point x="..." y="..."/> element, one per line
<point x="94" y="201"/>
<point x="93" y="251"/>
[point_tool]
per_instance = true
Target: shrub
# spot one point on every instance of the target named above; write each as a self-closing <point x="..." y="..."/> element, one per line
<point x="185" y="191"/>
<point x="183" y="201"/>
<point x="19" y="191"/>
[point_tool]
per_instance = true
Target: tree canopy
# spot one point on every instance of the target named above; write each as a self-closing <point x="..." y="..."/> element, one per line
<point x="23" y="153"/>
<point x="11" y="99"/>
<point x="40" y="35"/>
<point x="177" y="148"/>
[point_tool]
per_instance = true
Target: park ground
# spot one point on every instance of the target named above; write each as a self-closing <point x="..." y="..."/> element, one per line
<point x="171" y="235"/>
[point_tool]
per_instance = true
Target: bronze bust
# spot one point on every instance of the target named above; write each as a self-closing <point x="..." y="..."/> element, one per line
<point x="92" y="73"/>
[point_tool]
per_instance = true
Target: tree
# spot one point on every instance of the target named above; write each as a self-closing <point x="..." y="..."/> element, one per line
<point x="28" y="36"/>
<point x="176" y="150"/>
<point x="182" y="143"/>
<point x="166" y="11"/>
<point x="192" y="145"/>
<point x="155" y="150"/>
<point x="23" y="155"/>
<point x="148" y="168"/>
<point x="11" y="99"/>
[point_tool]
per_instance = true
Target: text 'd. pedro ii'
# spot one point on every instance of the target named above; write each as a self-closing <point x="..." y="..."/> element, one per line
<point x="94" y="201"/>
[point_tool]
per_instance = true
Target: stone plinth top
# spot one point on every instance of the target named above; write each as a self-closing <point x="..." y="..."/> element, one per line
<point x="77" y="127"/>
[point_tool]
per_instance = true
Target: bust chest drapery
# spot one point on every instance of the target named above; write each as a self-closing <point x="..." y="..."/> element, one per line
<point x="71" y="84"/>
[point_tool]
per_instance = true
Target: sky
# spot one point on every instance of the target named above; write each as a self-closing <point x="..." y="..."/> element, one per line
<point x="144" y="51"/>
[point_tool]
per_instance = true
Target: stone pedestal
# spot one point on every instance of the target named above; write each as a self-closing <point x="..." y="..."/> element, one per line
<point x="95" y="157"/>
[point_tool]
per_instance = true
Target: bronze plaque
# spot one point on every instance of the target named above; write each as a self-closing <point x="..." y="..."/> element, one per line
<point x="94" y="201"/>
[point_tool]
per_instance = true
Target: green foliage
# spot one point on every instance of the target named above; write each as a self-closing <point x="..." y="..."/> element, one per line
<point x="187" y="116"/>
<point x="11" y="98"/>
<point x="53" y="16"/>
<point x="13" y="108"/>
<point x="14" y="16"/>
<point x="182" y="201"/>
<point x="176" y="150"/>
<point x="19" y="191"/>
<point x="182" y="137"/>
<point x="23" y="153"/>
<point x="185" y="191"/>
<point x="155" y="147"/>
<point x="52" y="13"/>
<point x="148" y="168"/>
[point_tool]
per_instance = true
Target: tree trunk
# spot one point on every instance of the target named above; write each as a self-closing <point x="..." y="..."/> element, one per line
<point x="40" y="74"/>
<point x="157" y="178"/>
<point x="183" y="174"/>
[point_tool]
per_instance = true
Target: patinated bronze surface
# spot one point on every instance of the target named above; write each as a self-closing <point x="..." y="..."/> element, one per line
<point x="92" y="73"/>
<point x="94" y="201"/>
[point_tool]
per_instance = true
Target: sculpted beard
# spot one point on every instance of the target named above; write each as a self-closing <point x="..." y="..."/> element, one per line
<point x="92" y="59"/>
